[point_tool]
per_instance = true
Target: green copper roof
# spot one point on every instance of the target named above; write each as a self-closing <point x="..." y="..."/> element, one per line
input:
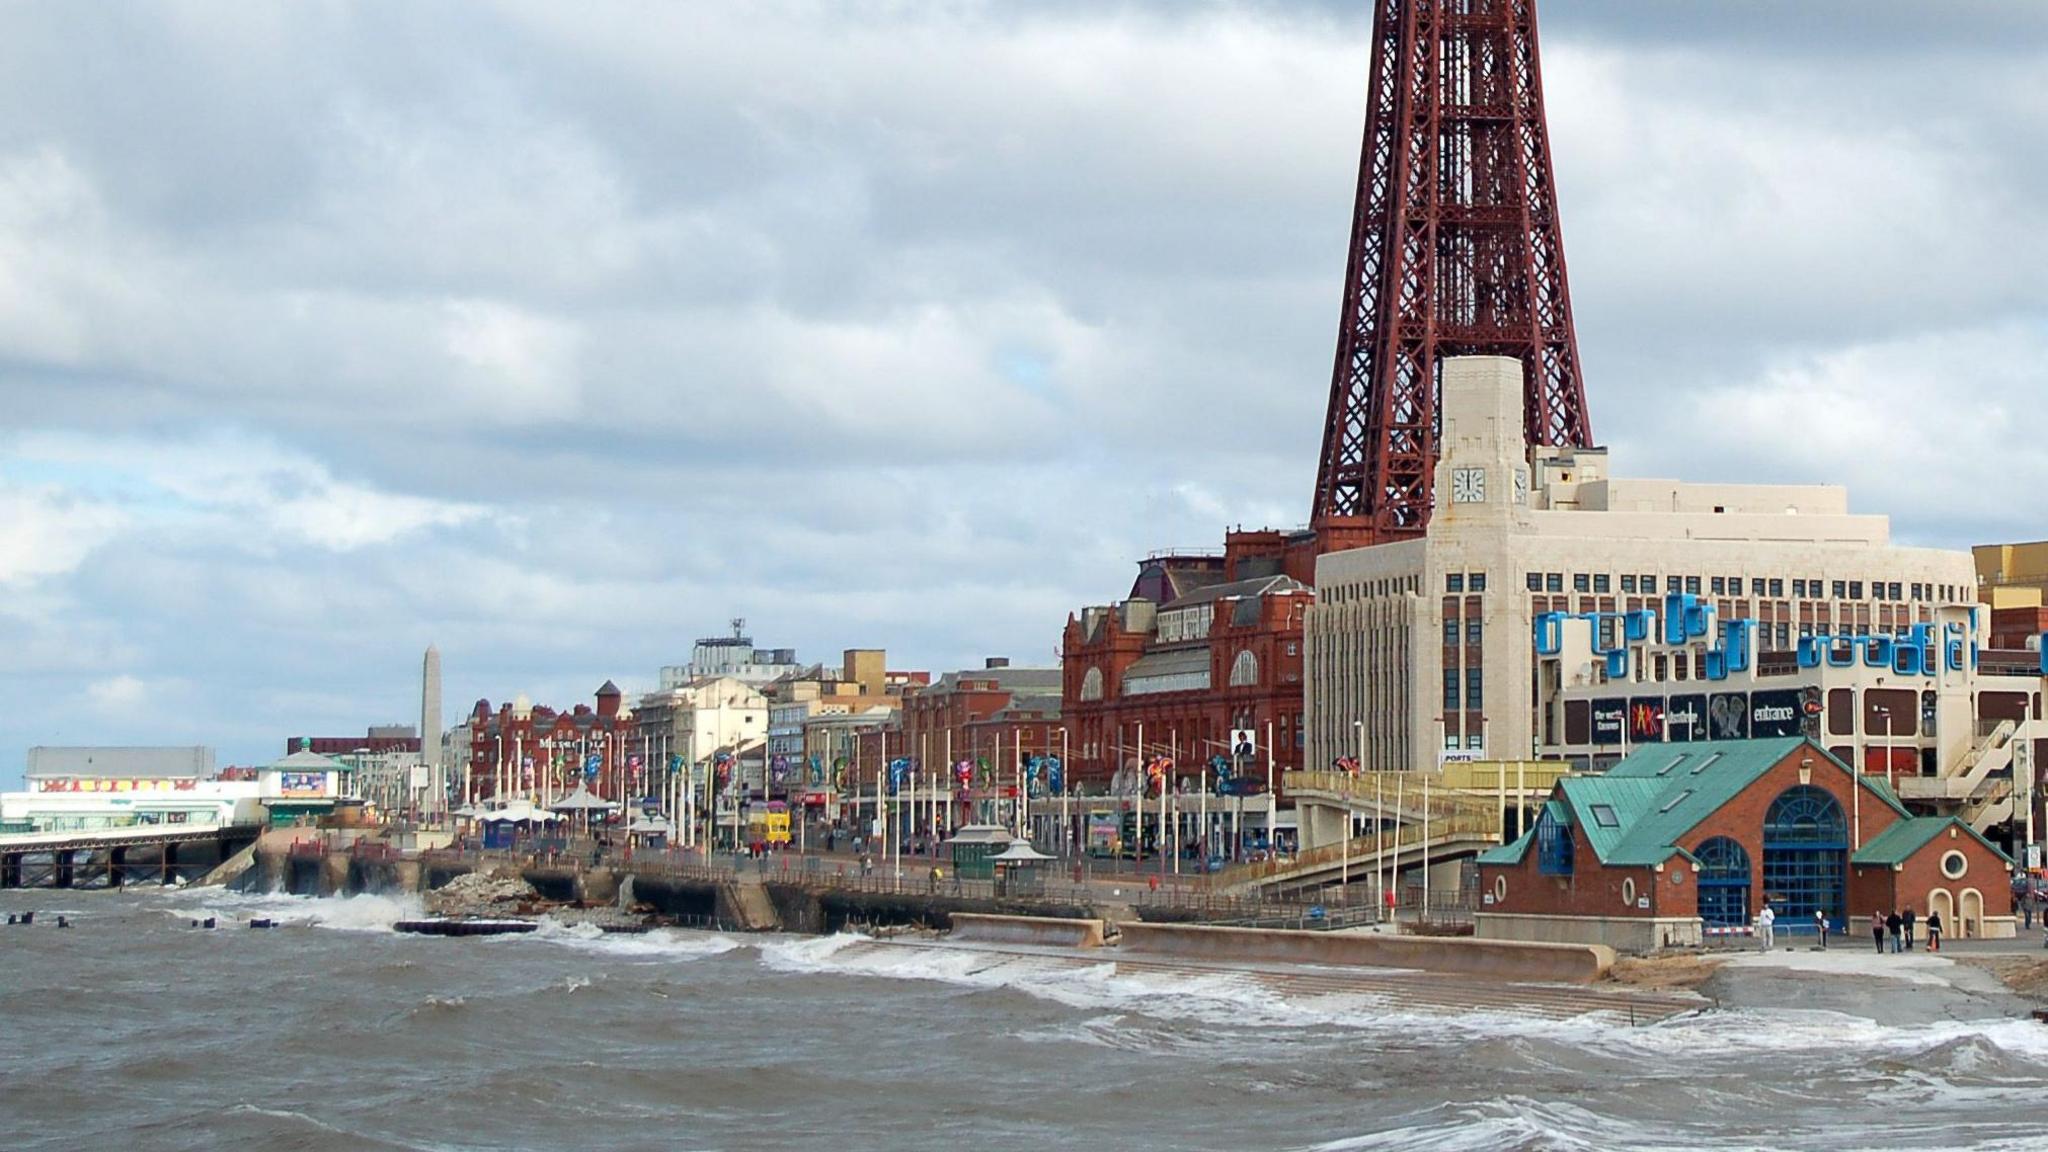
<point x="1898" y="843"/>
<point x="1637" y="812"/>
<point x="1510" y="853"/>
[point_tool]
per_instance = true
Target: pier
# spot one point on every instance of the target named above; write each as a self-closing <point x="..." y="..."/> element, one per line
<point x="116" y="857"/>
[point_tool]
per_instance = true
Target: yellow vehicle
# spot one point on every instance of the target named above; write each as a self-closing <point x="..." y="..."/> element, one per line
<point x="769" y="824"/>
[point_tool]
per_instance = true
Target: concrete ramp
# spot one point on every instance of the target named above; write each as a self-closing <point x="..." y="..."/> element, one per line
<point x="231" y="869"/>
<point x="1463" y="956"/>
<point x="744" y="904"/>
<point x="1042" y="931"/>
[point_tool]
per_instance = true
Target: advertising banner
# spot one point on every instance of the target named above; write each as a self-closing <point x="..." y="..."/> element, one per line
<point x="1646" y="720"/>
<point x="1774" y="714"/>
<point x="1728" y="716"/>
<point x="1610" y="720"/>
<point x="1685" y="719"/>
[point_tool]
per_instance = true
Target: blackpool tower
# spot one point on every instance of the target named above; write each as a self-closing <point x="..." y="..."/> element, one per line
<point x="1455" y="250"/>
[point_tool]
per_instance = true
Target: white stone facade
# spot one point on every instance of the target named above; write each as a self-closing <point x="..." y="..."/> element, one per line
<point x="1423" y="646"/>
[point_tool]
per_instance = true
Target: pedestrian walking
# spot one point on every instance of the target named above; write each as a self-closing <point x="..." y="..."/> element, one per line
<point x="1877" y="929"/>
<point x="1820" y="924"/>
<point x="1893" y="925"/>
<point x="1766" y="921"/>
<point x="1934" y="931"/>
<point x="2022" y="899"/>
<point x="1906" y="921"/>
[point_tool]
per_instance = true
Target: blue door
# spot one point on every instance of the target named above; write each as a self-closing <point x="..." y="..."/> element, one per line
<point x="1724" y="883"/>
<point x="1806" y="859"/>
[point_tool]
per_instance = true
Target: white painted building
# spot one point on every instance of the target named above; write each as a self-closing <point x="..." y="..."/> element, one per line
<point x="1423" y="649"/>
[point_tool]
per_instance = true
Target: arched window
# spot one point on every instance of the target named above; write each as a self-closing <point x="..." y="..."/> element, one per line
<point x="1553" y="846"/>
<point x="1091" y="685"/>
<point x="1806" y="857"/>
<point x="1724" y="882"/>
<point x="1244" y="672"/>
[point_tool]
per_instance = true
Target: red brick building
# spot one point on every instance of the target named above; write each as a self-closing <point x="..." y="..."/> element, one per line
<point x="381" y="740"/>
<point x="1681" y="840"/>
<point x="1202" y="645"/>
<point x="523" y="748"/>
<point x="983" y="716"/>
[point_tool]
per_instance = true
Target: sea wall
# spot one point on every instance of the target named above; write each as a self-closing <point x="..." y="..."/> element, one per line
<point x="1499" y="959"/>
<point x="976" y="928"/>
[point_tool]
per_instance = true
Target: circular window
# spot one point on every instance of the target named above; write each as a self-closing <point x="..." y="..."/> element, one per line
<point x="1500" y="888"/>
<point x="1678" y="875"/>
<point x="1954" y="864"/>
<point x="1628" y="893"/>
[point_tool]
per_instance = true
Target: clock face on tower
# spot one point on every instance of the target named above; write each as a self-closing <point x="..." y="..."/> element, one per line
<point x="1468" y="485"/>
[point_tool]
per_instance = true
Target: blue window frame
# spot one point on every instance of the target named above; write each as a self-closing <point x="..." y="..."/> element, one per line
<point x="1806" y="858"/>
<point x="1553" y="846"/>
<point x="1724" y="883"/>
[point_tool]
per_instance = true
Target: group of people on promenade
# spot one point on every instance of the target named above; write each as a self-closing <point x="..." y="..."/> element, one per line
<point x="1898" y="924"/>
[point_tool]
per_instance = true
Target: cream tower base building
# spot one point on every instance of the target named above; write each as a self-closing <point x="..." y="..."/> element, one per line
<point x="1426" y="650"/>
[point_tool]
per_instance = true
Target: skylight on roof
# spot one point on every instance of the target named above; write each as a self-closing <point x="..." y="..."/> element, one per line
<point x="1603" y="815"/>
<point x="1675" y="801"/>
<point x="1703" y="765"/>
<point x="1682" y="758"/>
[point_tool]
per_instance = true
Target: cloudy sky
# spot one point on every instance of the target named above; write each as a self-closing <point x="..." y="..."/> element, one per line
<point x="558" y="334"/>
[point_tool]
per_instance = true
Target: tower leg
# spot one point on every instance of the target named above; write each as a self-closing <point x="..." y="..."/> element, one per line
<point x="62" y="868"/>
<point x="10" y="871"/>
<point x="117" y="865"/>
<point x="170" y="864"/>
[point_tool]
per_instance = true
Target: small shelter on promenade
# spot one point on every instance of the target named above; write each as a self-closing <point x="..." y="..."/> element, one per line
<point x="972" y="848"/>
<point x="504" y="825"/>
<point x="1019" y="870"/>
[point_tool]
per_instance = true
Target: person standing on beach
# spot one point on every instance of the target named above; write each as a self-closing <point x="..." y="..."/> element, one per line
<point x="1906" y="922"/>
<point x="1934" y="930"/>
<point x="1765" y="921"/>
<point x="1893" y="925"/>
<point x="1877" y="930"/>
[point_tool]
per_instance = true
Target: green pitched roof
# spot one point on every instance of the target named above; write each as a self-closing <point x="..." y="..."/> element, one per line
<point x="1660" y="792"/>
<point x="1898" y="843"/>
<point x="1510" y="853"/>
<point x="1605" y="808"/>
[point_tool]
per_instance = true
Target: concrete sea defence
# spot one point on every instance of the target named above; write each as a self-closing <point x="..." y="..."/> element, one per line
<point x="1495" y="959"/>
<point x="975" y="928"/>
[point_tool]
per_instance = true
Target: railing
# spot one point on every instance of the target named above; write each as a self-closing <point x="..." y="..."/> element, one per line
<point x="1362" y="851"/>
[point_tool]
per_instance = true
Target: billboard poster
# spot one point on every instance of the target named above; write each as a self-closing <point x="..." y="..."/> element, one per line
<point x="1685" y="719"/>
<point x="1646" y="720"/>
<point x="1610" y="719"/>
<point x="302" y="783"/>
<point x="1728" y="716"/>
<point x="1776" y="713"/>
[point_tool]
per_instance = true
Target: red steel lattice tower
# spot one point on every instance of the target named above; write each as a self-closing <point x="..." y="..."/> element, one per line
<point x="1455" y="250"/>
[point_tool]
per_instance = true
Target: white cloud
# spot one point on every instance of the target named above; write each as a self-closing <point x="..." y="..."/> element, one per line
<point x="44" y="532"/>
<point x="118" y="695"/>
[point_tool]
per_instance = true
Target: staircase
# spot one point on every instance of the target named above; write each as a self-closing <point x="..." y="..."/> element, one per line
<point x="743" y="904"/>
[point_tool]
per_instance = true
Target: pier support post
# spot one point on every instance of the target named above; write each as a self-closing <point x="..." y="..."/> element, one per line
<point x="170" y="864"/>
<point x="117" y="864"/>
<point x="61" y="870"/>
<point x="10" y="871"/>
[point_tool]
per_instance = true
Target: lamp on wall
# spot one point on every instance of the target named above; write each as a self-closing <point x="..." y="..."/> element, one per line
<point x="1805" y="771"/>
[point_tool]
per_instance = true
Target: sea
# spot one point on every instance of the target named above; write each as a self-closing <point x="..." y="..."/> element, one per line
<point x="134" y="1031"/>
